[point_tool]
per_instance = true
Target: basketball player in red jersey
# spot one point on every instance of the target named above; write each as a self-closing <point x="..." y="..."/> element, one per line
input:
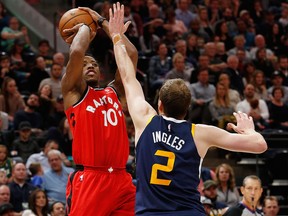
<point x="100" y="186"/>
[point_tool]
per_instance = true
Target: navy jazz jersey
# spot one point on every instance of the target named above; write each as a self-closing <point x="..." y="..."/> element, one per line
<point x="167" y="169"/>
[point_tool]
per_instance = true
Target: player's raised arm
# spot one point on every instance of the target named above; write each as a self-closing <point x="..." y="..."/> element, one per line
<point x="246" y="139"/>
<point x="72" y="81"/>
<point x="104" y="24"/>
<point x="131" y="49"/>
<point x="138" y="107"/>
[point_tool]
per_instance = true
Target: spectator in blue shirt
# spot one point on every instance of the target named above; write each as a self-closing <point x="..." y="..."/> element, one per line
<point x="55" y="180"/>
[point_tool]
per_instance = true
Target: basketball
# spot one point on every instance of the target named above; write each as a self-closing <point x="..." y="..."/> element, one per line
<point x="73" y="17"/>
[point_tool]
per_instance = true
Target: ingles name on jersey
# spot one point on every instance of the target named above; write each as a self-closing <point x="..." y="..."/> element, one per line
<point x="169" y="139"/>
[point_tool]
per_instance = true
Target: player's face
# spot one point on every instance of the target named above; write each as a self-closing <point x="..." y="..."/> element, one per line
<point x="91" y="71"/>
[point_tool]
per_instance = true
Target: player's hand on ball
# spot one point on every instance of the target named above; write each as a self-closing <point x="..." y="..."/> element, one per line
<point x="73" y="31"/>
<point x="72" y="18"/>
<point x="95" y="16"/>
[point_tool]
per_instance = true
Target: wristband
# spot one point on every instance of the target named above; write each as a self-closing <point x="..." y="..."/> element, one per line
<point x="100" y="21"/>
<point x="116" y="38"/>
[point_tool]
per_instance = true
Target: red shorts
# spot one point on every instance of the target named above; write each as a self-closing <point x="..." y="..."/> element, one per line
<point x="99" y="193"/>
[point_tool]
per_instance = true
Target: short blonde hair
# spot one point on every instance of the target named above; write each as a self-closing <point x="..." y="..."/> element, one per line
<point x="177" y="56"/>
<point x="175" y="97"/>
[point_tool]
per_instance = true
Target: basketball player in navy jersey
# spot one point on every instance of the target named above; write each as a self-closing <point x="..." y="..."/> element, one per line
<point x="170" y="150"/>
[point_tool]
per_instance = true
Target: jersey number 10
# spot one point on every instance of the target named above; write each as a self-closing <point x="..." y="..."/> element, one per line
<point x="110" y="117"/>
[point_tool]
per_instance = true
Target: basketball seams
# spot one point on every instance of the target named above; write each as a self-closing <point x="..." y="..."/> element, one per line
<point x="85" y="14"/>
<point x="71" y="18"/>
<point x="91" y="25"/>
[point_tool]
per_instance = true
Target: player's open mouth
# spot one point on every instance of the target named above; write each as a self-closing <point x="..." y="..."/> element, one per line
<point x="90" y="72"/>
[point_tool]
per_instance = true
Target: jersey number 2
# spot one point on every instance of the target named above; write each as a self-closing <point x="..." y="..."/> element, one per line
<point x="165" y="168"/>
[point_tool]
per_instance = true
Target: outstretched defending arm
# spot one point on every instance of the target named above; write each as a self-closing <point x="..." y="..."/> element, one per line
<point x="139" y="109"/>
<point x="246" y="139"/>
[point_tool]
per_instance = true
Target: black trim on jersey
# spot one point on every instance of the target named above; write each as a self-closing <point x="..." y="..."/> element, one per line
<point x="113" y="87"/>
<point x="69" y="198"/>
<point x="82" y="96"/>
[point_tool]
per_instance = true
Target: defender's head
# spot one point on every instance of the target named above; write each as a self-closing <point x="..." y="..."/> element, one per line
<point x="174" y="98"/>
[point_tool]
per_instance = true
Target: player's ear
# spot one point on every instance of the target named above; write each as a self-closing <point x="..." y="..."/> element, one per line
<point x="160" y="107"/>
<point x="242" y="189"/>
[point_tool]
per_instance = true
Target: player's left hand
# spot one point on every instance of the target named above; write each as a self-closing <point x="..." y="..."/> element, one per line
<point x="116" y="20"/>
<point x="73" y="31"/>
<point x="245" y="124"/>
<point x="95" y="16"/>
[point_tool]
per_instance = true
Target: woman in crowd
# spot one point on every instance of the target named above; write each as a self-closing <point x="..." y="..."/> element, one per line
<point x="12" y="32"/>
<point x="278" y="118"/>
<point x="38" y="204"/>
<point x="205" y="22"/>
<point x="221" y="31"/>
<point x="16" y="55"/>
<point x="259" y="83"/>
<point x="11" y="100"/>
<point x="234" y="95"/>
<point x="227" y="191"/>
<point x="46" y="104"/>
<point x="248" y="73"/>
<point x="263" y="63"/>
<point x="159" y="66"/>
<point x="275" y="36"/>
<point x="220" y="107"/>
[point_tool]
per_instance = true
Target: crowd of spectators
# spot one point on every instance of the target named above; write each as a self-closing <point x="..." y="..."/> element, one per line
<point x="231" y="53"/>
<point x="35" y="138"/>
<point x="245" y="43"/>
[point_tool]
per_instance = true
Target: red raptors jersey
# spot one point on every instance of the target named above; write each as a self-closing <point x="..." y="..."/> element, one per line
<point x="99" y="131"/>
